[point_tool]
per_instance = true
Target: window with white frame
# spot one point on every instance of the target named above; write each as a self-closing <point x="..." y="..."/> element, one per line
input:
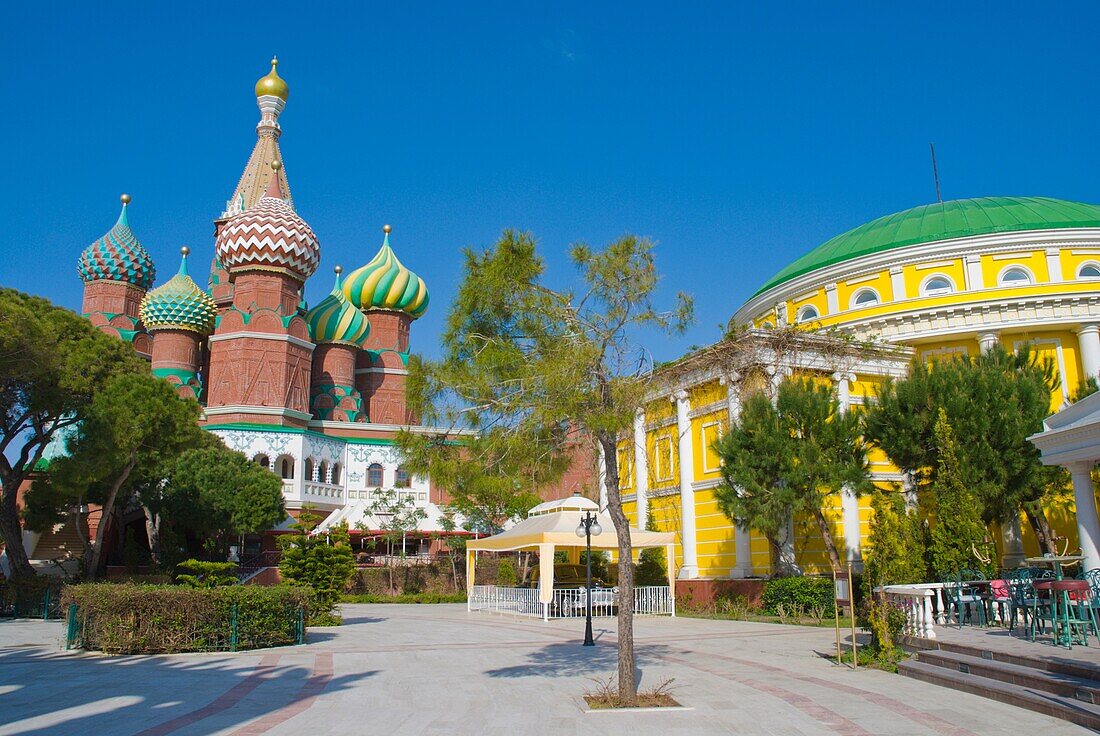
<point x="936" y="284"/>
<point x="807" y="313"/>
<point x="1015" y="276"/>
<point x="1089" y="271"/>
<point x="865" y="298"/>
<point x="663" y="455"/>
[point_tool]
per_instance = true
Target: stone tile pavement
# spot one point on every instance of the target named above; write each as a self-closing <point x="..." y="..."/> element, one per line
<point x="439" y="670"/>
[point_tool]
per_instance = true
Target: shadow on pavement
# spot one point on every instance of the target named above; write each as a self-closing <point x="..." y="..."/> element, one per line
<point x="572" y="660"/>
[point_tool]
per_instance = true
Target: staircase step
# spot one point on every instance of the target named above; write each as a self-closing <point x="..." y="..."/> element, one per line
<point x="1045" y="657"/>
<point x="1084" y="689"/>
<point x="1047" y="703"/>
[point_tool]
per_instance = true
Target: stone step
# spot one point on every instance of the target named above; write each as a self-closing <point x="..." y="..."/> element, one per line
<point x="1040" y="701"/>
<point x="1084" y="689"/>
<point x="1044" y="657"/>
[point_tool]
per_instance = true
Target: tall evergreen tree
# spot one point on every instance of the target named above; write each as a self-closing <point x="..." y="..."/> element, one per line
<point x="959" y="538"/>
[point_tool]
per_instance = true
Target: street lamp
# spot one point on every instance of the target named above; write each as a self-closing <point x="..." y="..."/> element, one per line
<point x="589" y="525"/>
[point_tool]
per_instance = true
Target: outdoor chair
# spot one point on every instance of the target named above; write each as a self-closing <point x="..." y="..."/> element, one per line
<point x="965" y="598"/>
<point x="1075" y="615"/>
<point x="1042" y="608"/>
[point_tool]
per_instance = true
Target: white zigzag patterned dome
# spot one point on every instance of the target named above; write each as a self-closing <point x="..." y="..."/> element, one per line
<point x="270" y="234"/>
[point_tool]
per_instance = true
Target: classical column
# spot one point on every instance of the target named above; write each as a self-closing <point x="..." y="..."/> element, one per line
<point x="1088" y="337"/>
<point x="1013" y="543"/>
<point x="849" y="503"/>
<point x="690" y="567"/>
<point x="1088" y="527"/>
<point x="987" y="341"/>
<point x="742" y="535"/>
<point x="641" y="469"/>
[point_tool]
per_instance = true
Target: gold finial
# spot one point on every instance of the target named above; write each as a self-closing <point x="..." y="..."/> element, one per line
<point x="274" y="62"/>
<point x="387" y="229"/>
<point x="185" y="251"/>
<point x="338" y="270"/>
<point x="276" y="165"/>
<point x="125" y="199"/>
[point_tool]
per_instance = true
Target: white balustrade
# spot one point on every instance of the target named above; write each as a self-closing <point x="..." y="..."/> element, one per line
<point x="918" y="602"/>
<point x="653" y="600"/>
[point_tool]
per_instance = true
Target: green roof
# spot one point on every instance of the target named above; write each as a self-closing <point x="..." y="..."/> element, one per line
<point x="959" y="218"/>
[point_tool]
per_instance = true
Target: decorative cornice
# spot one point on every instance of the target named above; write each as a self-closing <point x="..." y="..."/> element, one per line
<point x="267" y="411"/>
<point x="388" y="371"/>
<point x="264" y="336"/>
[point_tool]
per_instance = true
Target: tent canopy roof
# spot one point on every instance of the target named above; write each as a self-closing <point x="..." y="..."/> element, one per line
<point x="558" y="526"/>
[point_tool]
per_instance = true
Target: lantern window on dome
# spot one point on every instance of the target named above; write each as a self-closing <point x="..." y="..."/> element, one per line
<point x="865" y="298"/>
<point x="936" y="284"/>
<point x="808" y="313"/>
<point x="1089" y="271"/>
<point x="1015" y="276"/>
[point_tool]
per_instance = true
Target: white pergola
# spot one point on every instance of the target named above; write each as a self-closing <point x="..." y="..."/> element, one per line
<point x="554" y="524"/>
<point x="1071" y="438"/>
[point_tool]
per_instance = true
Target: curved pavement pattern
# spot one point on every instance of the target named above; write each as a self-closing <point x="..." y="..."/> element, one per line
<point x="440" y="670"/>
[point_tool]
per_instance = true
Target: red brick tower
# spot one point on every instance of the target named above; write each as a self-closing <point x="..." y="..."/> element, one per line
<point x="339" y="329"/>
<point x="179" y="316"/>
<point x="260" y="352"/>
<point x="392" y="297"/>
<point x="117" y="271"/>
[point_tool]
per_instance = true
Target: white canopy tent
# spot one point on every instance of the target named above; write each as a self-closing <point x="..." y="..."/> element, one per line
<point x="554" y="524"/>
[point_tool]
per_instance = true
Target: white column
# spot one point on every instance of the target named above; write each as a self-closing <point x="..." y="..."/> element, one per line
<point x="831" y="298"/>
<point x="690" y="567"/>
<point x="1088" y="527"/>
<point x="601" y="477"/>
<point x="849" y="502"/>
<point x="1088" y="337"/>
<point x="987" y="341"/>
<point x="1054" y="265"/>
<point x="974" y="278"/>
<point x="641" y="469"/>
<point x="897" y="283"/>
<point x="742" y="534"/>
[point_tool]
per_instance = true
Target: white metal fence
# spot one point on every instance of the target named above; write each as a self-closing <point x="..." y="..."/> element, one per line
<point x="655" y="600"/>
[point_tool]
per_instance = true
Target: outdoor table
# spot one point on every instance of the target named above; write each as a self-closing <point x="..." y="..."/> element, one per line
<point x="1057" y="561"/>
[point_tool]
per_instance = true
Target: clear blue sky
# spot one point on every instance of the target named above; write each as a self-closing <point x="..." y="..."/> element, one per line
<point x="737" y="135"/>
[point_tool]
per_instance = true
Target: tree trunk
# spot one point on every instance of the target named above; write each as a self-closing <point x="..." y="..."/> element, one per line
<point x="827" y="536"/>
<point x="1039" y="524"/>
<point x="12" y="529"/>
<point x="108" y="517"/>
<point x="628" y="684"/>
<point x="152" y="531"/>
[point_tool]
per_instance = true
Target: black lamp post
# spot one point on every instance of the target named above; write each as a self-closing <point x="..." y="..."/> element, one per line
<point x="589" y="525"/>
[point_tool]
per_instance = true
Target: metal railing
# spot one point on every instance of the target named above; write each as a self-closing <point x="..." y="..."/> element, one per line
<point x="655" y="600"/>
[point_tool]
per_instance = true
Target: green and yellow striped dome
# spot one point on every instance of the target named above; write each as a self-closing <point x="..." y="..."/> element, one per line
<point x="179" y="304"/>
<point x="386" y="284"/>
<point x="336" y="320"/>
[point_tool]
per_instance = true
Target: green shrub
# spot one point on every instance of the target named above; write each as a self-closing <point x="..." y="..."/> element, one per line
<point x="37" y="597"/>
<point x="322" y="562"/>
<point x="798" y="594"/>
<point x="506" y="574"/>
<point x="199" y="574"/>
<point x="157" y="619"/>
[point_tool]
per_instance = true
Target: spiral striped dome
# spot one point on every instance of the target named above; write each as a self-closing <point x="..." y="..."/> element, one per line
<point x="179" y="304"/>
<point x="271" y="235"/>
<point x="118" y="256"/>
<point x="336" y="320"/>
<point x="386" y="284"/>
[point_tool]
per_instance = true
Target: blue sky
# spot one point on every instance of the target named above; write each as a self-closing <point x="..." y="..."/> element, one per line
<point x="737" y="135"/>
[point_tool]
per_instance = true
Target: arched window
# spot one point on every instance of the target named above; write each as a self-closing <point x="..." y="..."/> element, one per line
<point x="322" y="472"/>
<point x="936" y="284"/>
<point x="1089" y="271"/>
<point x="336" y="473"/>
<point x="1015" y="276"/>
<point x="374" y="475"/>
<point x="807" y="313"/>
<point x="865" y="298"/>
<point x="263" y="461"/>
<point x="310" y="474"/>
<point x="285" y="465"/>
<point x="403" y="478"/>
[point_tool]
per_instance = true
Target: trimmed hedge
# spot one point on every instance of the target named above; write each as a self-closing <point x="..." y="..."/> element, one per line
<point x="37" y="597"/>
<point x="159" y="619"/>
<point x="803" y="594"/>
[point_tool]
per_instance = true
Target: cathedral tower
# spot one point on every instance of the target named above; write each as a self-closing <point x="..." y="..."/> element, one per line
<point x="339" y="329"/>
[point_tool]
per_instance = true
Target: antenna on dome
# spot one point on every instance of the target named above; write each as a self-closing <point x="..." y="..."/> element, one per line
<point x="935" y="172"/>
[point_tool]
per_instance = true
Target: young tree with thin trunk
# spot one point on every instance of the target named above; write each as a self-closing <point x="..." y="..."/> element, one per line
<point x="531" y="368"/>
<point x="52" y="362"/>
<point x="791" y="458"/>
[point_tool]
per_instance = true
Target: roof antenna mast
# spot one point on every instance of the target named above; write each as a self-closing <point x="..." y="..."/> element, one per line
<point x="935" y="172"/>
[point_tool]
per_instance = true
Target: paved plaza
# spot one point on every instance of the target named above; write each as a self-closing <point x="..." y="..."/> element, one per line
<point x="395" y="669"/>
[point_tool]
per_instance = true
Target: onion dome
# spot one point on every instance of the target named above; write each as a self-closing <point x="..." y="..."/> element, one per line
<point x="336" y="320"/>
<point x="179" y="304"/>
<point x="269" y="235"/>
<point x="118" y="256"/>
<point x="386" y="284"/>
<point x="273" y="84"/>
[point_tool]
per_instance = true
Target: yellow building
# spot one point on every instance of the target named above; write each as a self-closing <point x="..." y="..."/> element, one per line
<point x="938" y="280"/>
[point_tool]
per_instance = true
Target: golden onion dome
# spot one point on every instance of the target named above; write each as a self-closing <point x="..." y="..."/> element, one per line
<point x="273" y="84"/>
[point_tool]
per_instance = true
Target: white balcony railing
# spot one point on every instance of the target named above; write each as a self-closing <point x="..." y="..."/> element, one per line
<point x="653" y="600"/>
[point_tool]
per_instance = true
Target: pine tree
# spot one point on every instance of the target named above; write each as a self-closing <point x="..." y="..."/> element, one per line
<point x="322" y="562"/>
<point x="959" y="538"/>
